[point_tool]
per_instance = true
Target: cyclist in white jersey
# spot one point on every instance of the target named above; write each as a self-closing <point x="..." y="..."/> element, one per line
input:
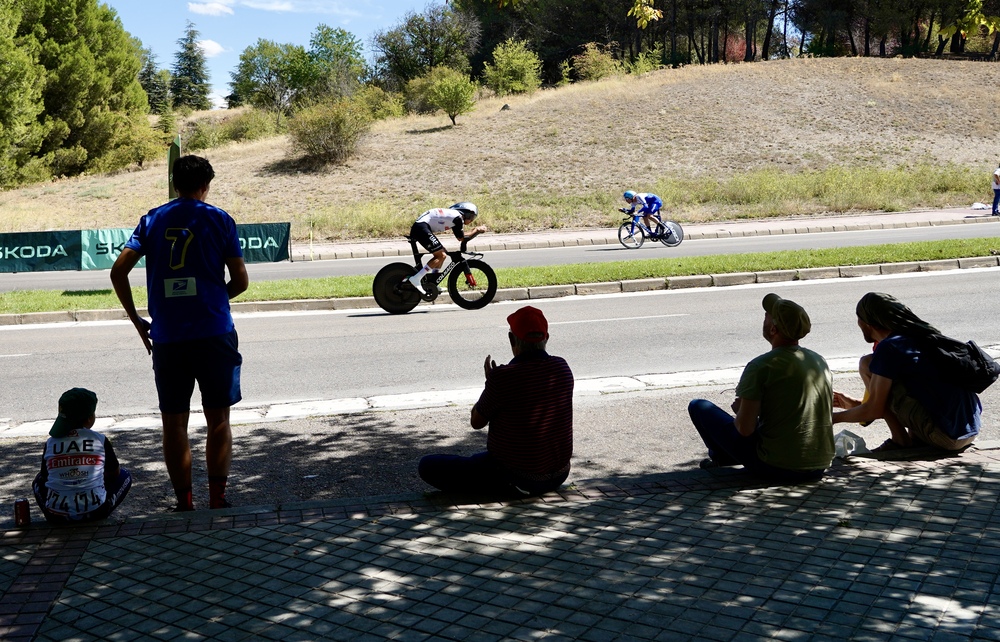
<point x="423" y="231"/>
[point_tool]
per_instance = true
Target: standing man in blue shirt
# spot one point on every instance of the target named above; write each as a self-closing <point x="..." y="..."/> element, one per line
<point x="189" y="245"/>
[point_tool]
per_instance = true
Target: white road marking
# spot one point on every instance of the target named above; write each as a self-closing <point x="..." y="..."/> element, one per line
<point x="654" y="316"/>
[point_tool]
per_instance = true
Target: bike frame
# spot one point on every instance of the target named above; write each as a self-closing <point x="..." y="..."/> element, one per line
<point x="637" y="221"/>
<point x="458" y="256"/>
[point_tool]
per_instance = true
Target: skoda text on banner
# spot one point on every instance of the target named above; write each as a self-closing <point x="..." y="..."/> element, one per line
<point x="264" y="242"/>
<point x="100" y="248"/>
<point x="39" y="251"/>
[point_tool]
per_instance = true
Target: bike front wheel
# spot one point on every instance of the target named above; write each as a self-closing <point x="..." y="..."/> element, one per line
<point x="391" y="293"/>
<point x="672" y="234"/>
<point x="472" y="286"/>
<point x="631" y="235"/>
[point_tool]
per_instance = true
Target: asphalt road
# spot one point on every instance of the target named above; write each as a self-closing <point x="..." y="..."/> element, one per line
<point x="360" y="353"/>
<point x="98" y="280"/>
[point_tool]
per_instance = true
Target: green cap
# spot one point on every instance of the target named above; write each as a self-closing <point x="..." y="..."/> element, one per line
<point x="788" y="316"/>
<point x="76" y="406"/>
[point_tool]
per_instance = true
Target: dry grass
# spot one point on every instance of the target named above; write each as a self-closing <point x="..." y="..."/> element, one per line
<point x="560" y="157"/>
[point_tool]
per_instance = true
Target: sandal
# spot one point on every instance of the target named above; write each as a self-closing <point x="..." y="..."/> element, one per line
<point x="888" y="446"/>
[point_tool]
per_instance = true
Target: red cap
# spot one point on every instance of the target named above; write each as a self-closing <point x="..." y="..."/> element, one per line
<point x="529" y="324"/>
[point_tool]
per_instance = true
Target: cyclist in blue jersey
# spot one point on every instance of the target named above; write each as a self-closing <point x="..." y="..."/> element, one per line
<point x="438" y="220"/>
<point x="189" y="246"/>
<point x="648" y="204"/>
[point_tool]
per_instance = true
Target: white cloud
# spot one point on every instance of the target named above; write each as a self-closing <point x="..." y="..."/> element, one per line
<point x="211" y="8"/>
<point x="334" y="7"/>
<point x="211" y="48"/>
<point x="218" y="101"/>
<point x="270" y="5"/>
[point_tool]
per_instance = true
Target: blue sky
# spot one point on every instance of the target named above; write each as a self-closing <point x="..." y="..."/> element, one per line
<point x="227" y="27"/>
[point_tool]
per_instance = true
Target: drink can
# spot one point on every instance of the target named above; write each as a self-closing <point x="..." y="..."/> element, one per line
<point x="22" y="513"/>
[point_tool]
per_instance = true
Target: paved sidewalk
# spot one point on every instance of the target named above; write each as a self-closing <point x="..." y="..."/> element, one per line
<point x="879" y="550"/>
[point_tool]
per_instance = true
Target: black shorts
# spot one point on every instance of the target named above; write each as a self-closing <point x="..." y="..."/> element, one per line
<point x="213" y="362"/>
<point x="421" y="233"/>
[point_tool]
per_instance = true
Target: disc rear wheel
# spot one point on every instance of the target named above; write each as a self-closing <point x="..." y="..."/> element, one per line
<point x="391" y="293"/>
<point x="675" y="235"/>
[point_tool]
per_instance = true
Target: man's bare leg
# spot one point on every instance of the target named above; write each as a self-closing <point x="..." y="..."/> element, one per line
<point x="177" y="456"/>
<point x="218" y="454"/>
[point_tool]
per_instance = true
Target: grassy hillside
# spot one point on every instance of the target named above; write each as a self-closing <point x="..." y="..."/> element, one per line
<point x="719" y="141"/>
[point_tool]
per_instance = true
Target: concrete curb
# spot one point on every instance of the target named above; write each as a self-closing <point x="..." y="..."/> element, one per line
<point x="553" y="291"/>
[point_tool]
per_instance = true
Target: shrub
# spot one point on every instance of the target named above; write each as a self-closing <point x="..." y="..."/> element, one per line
<point x="329" y="132"/>
<point x="515" y="69"/>
<point x="595" y="62"/>
<point x="646" y="62"/>
<point x="380" y="103"/>
<point x="453" y="93"/>
<point x="201" y="134"/>
<point x="252" y="124"/>
<point x="418" y="91"/>
<point x="166" y="123"/>
<point x="564" y="74"/>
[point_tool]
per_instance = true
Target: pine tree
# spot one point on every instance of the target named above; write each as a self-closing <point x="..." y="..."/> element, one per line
<point x="156" y="82"/>
<point x="21" y="83"/>
<point x="189" y="82"/>
<point x="94" y="104"/>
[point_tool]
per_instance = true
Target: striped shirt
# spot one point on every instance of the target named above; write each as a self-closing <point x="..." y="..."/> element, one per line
<point x="529" y="406"/>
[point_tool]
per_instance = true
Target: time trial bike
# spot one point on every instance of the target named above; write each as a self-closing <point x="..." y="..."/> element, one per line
<point x="472" y="283"/>
<point x="633" y="232"/>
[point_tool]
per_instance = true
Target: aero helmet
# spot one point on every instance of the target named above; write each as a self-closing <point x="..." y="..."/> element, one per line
<point x="467" y="209"/>
<point x="629" y="195"/>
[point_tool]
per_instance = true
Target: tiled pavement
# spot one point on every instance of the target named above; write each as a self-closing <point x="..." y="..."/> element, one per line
<point x="879" y="550"/>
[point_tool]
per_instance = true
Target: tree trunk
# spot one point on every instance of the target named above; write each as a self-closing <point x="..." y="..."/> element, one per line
<point x="996" y="45"/>
<point x="881" y="46"/>
<point x="941" y="45"/>
<point x="957" y="45"/>
<point x="749" y="31"/>
<point x="714" y="38"/>
<point x="784" y="34"/>
<point x="868" y="37"/>
<point x="673" y="32"/>
<point x="772" y="14"/>
<point x="930" y="28"/>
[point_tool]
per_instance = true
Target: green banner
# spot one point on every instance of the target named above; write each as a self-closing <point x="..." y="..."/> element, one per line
<point x="264" y="242"/>
<point x="100" y="248"/>
<point x="39" y="251"/>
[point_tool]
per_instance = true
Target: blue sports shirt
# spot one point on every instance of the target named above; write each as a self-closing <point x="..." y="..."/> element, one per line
<point x="186" y="243"/>
<point x="651" y="204"/>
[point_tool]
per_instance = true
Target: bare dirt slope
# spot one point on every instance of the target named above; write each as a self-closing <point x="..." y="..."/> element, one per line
<point x="586" y="139"/>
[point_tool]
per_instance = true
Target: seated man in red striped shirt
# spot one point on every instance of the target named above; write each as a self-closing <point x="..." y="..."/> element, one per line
<point x="528" y="405"/>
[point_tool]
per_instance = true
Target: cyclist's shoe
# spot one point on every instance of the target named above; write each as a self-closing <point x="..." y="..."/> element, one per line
<point x="415" y="282"/>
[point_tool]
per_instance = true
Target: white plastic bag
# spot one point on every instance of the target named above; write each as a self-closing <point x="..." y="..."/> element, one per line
<point x="846" y="443"/>
<point x="980" y="206"/>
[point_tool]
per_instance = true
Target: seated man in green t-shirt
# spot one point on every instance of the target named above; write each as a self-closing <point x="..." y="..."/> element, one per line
<point x="783" y="428"/>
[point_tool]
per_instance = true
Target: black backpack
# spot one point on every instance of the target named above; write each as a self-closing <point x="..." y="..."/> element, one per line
<point x="966" y="364"/>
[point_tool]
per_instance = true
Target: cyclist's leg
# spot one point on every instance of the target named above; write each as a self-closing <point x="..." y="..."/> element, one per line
<point x="421" y="232"/>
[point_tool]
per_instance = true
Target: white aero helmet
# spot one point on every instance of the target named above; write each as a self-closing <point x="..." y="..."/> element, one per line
<point x="468" y="209"/>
